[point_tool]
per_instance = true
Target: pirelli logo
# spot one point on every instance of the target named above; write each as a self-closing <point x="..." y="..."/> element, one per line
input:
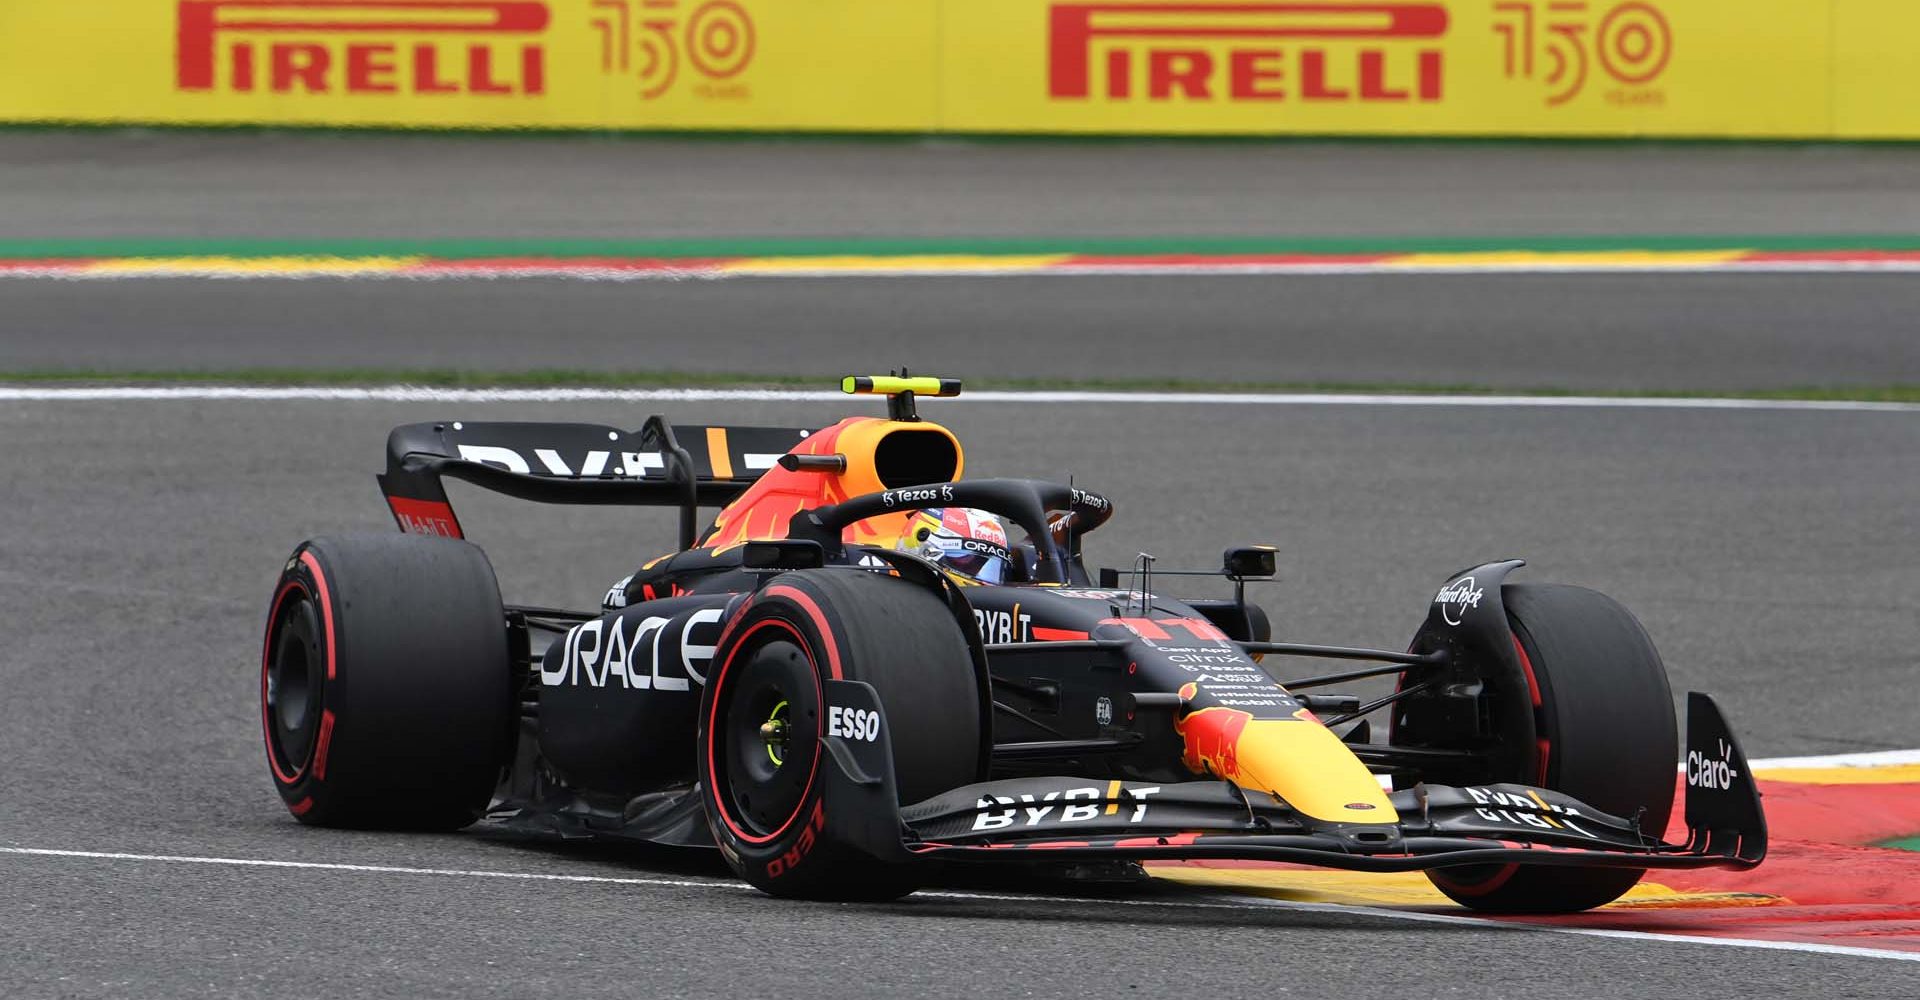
<point x="480" y="47"/>
<point x="1310" y="52"/>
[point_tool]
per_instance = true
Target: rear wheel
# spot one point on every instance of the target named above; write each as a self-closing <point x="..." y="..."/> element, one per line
<point x="385" y="682"/>
<point x="1602" y="730"/>
<point x="763" y="717"/>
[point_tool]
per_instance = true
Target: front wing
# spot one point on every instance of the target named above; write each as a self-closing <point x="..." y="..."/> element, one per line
<point x="1073" y="819"/>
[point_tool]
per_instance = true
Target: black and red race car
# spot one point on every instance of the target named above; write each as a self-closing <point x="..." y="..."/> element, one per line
<point x="841" y="716"/>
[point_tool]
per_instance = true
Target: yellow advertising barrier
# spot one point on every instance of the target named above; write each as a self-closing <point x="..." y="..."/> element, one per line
<point x="1726" y="68"/>
<point x="1876" y="69"/>
<point x="1530" y="67"/>
<point x="623" y="64"/>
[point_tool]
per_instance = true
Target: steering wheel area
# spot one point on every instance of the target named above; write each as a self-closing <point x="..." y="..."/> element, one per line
<point x="1026" y="502"/>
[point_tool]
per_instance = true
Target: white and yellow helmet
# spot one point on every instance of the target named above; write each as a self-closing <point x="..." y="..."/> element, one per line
<point x="971" y="545"/>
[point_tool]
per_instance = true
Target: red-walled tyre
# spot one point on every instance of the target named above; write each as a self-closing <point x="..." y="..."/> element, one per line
<point x="763" y="718"/>
<point x="1603" y="732"/>
<point x="385" y="683"/>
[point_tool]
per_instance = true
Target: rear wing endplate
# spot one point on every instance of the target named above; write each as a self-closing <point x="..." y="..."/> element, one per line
<point x="661" y="464"/>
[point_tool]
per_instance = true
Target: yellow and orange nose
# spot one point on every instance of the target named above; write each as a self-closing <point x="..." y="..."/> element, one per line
<point x="1299" y="760"/>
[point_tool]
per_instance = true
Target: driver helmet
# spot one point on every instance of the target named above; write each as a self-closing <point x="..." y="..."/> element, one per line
<point x="971" y="545"/>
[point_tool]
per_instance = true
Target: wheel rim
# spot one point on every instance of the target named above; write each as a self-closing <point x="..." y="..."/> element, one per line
<point x="293" y="686"/>
<point x="767" y="751"/>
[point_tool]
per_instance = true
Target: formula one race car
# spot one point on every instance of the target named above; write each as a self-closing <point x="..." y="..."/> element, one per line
<point x="866" y="665"/>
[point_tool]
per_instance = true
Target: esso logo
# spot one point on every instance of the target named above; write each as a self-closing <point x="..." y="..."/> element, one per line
<point x="853" y="723"/>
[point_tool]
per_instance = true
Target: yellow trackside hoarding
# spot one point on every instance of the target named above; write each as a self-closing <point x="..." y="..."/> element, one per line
<point x="1876" y="69"/>
<point x="1726" y="68"/>
<point x="1531" y="67"/>
<point x="622" y="64"/>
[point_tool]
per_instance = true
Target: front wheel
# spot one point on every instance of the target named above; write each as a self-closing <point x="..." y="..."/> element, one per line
<point x="764" y="717"/>
<point x="1601" y="729"/>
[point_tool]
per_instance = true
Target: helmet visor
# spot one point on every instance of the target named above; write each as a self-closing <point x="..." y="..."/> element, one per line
<point x="982" y="561"/>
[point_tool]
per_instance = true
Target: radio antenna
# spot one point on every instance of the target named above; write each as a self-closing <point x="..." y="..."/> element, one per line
<point x="1066" y="556"/>
<point x="1143" y="580"/>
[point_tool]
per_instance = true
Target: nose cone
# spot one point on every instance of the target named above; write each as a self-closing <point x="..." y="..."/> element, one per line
<point x="1297" y="759"/>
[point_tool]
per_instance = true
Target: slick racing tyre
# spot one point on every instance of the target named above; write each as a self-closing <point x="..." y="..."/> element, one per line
<point x="763" y="721"/>
<point x="385" y="682"/>
<point x="1602" y="731"/>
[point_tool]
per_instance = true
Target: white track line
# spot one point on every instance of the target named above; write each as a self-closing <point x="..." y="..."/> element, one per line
<point x="1247" y="270"/>
<point x="1247" y="903"/>
<point x="428" y="394"/>
<point x="988" y="270"/>
<point x="1877" y="758"/>
<point x="47" y="852"/>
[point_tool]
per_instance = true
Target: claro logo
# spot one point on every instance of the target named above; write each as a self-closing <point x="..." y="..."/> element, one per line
<point x="1708" y="772"/>
<point x="481" y="47"/>
<point x="1310" y="52"/>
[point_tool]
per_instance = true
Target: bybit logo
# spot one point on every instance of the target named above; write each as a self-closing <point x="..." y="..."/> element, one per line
<point x="483" y="47"/>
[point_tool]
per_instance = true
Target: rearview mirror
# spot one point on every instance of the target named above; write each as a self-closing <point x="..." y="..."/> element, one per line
<point x="1249" y="562"/>
<point x="783" y="554"/>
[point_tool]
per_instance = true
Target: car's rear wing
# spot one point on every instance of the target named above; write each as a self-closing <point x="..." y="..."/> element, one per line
<point x="661" y="464"/>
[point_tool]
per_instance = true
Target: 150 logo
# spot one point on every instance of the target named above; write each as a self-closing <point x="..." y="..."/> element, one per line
<point x="1557" y="42"/>
<point x="649" y="39"/>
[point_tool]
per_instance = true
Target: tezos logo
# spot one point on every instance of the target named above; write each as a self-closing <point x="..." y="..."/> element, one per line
<point x="1705" y="772"/>
<point x="853" y="723"/>
<point x="943" y="492"/>
<point x="1081" y="498"/>
<point x="1455" y="598"/>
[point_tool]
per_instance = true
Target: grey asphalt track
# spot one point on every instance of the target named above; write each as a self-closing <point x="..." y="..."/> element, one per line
<point x="1594" y="332"/>
<point x="118" y="184"/>
<point x="1773" y="557"/>
<point x="1616" y="332"/>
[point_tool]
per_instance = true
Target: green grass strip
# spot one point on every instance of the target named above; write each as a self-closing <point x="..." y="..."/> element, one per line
<point x="644" y="379"/>
<point x="468" y="249"/>
<point x="1903" y="843"/>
